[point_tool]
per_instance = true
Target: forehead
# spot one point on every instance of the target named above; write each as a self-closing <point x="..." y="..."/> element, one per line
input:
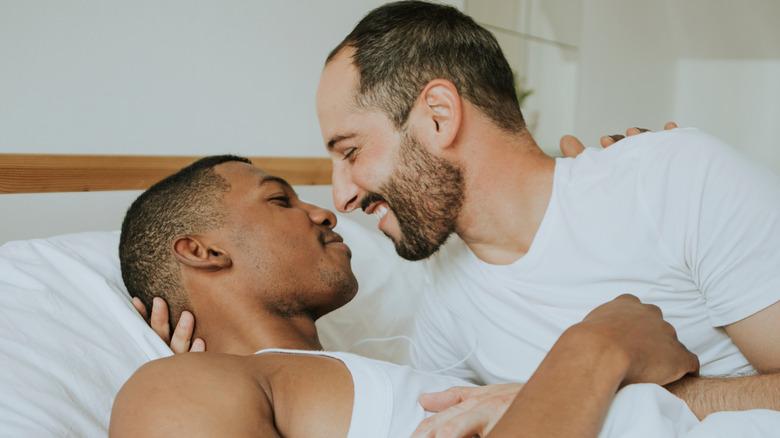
<point x="339" y="81"/>
<point x="335" y="94"/>
<point x="242" y="177"/>
<point x="339" y="115"/>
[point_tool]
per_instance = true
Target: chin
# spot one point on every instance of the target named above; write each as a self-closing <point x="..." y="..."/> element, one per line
<point x="340" y="293"/>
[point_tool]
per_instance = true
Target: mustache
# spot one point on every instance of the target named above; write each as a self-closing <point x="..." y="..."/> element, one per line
<point x="370" y="199"/>
<point x="327" y="236"/>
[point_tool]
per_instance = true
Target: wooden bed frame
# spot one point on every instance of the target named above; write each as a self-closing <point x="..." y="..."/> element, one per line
<point x="46" y="173"/>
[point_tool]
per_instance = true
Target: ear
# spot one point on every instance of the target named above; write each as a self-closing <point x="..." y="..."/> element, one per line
<point x="192" y="251"/>
<point x="440" y="112"/>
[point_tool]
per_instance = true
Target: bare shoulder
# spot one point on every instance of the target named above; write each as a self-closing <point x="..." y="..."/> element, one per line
<point x="194" y="394"/>
<point x="312" y="395"/>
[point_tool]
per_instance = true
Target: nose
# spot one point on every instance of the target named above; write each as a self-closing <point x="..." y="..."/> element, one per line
<point x="321" y="216"/>
<point x="345" y="193"/>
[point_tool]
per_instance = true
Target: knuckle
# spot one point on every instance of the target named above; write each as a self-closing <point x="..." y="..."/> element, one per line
<point x="447" y="430"/>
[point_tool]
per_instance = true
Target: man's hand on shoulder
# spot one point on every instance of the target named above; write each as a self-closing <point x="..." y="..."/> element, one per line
<point x="181" y="341"/>
<point x="571" y="146"/>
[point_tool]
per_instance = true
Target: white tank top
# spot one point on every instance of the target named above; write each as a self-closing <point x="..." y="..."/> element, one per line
<point x="385" y="403"/>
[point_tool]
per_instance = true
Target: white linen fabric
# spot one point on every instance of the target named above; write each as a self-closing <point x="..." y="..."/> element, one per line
<point x="70" y="338"/>
<point x="677" y="218"/>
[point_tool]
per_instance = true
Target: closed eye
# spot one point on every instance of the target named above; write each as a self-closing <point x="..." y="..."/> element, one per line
<point x="350" y="153"/>
<point x="283" y="201"/>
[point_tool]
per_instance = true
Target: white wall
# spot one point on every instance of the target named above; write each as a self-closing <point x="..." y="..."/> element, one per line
<point x="598" y="67"/>
<point x="198" y="77"/>
<point x="737" y="100"/>
<point x="178" y="77"/>
<point x="170" y="77"/>
<point x="541" y="40"/>
<point x="710" y="64"/>
<point x="627" y="68"/>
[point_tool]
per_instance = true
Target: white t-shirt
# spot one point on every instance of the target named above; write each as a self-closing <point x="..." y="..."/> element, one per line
<point x="677" y="218"/>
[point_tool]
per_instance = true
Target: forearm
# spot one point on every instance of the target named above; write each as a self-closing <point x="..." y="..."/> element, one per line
<point x="707" y="395"/>
<point x="569" y="394"/>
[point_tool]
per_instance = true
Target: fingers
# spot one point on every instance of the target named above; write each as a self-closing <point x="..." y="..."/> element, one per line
<point x="198" y="345"/>
<point x="609" y="140"/>
<point x="439" y="401"/>
<point x="182" y="334"/>
<point x="467" y="424"/>
<point x="437" y="425"/>
<point x="635" y="131"/>
<point x="571" y="146"/>
<point x="159" y="320"/>
<point x="466" y="411"/>
<point x="181" y="341"/>
<point x="139" y="306"/>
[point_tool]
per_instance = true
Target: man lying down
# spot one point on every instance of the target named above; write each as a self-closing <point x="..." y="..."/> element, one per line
<point x="257" y="266"/>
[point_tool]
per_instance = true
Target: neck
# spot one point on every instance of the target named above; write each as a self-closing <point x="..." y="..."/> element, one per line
<point x="243" y="330"/>
<point x="509" y="183"/>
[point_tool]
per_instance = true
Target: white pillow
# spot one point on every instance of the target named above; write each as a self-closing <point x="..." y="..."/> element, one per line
<point x="69" y="336"/>
<point x="390" y="290"/>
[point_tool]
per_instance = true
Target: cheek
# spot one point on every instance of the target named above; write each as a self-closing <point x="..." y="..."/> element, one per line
<point x="372" y="171"/>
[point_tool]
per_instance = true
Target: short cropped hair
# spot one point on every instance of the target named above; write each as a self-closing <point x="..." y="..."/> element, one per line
<point x="401" y="46"/>
<point x="187" y="202"/>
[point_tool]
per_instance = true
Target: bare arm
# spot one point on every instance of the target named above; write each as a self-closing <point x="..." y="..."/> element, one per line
<point x="569" y="394"/>
<point x="618" y="343"/>
<point x="758" y="338"/>
<point x="178" y="396"/>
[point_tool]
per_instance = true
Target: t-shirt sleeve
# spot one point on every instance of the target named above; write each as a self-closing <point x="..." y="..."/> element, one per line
<point x="718" y="213"/>
<point x="437" y="338"/>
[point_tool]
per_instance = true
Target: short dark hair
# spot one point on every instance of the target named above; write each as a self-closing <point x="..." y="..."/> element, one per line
<point x="187" y="202"/>
<point x="401" y="46"/>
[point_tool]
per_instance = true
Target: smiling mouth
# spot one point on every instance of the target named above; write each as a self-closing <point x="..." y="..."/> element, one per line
<point x="375" y="205"/>
<point x="380" y="211"/>
<point x="371" y="201"/>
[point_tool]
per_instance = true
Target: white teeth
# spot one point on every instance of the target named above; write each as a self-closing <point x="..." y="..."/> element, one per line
<point x="380" y="212"/>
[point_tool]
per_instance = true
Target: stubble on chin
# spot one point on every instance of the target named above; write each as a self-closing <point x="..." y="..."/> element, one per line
<point x="425" y="193"/>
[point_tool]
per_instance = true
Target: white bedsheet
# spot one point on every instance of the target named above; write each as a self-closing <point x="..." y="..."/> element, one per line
<point x="69" y="336"/>
<point x="649" y="411"/>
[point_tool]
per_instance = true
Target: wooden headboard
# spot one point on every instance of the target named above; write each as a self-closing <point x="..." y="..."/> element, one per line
<point x="44" y="173"/>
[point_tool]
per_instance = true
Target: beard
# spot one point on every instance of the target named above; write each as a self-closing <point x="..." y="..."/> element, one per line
<point x="425" y="193"/>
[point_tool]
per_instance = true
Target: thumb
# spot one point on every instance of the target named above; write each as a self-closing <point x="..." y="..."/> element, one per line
<point x="139" y="306"/>
<point x="439" y="401"/>
<point x="571" y="146"/>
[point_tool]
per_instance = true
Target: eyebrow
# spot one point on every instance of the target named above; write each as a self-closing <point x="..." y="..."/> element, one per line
<point x="337" y="139"/>
<point x="276" y="179"/>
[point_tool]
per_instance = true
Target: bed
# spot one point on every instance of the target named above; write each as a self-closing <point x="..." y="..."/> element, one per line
<point x="69" y="336"/>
